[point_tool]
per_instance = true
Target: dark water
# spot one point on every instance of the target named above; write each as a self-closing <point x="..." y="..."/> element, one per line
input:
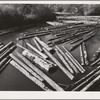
<point x="12" y="79"/>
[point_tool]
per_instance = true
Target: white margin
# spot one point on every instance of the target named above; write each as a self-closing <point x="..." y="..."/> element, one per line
<point x="50" y="2"/>
<point x="49" y="95"/>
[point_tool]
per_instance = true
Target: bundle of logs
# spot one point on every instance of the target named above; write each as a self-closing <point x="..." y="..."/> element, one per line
<point x="37" y="56"/>
<point x="74" y="34"/>
<point x="5" y="52"/>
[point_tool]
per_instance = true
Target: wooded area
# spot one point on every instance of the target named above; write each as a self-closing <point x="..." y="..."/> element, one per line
<point x="12" y="15"/>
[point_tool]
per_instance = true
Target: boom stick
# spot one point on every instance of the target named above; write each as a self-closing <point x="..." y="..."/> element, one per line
<point x="64" y="61"/>
<point x="59" y="65"/>
<point x="79" y="67"/>
<point x="68" y="60"/>
<point x="31" y="77"/>
<point x="44" y="76"/>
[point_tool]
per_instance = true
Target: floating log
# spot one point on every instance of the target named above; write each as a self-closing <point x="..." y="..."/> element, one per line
<point x="1" y="46"/>
<point x="81" y="21"/>
<point x="60" y="40"/>
<point x="82" y="55"/>
<point x="59" y="64"/>
<point x="68" y="60"/>
<point x="54" y="23"/>
<point x="86" y="81"/>
<point x="31" y="36"/>
<point x="84" y="78"/>
<point x="44" y="76"/>
<point x="54" y="38"/>
<point x="79" y="67"/>
<point x="31" y="77"/>
<point x="91" y="83"/>
<point x="6" y="53"/>
<point x="85" y="54"/>
<point x="6" y="46"/>
<point x="86" y="18"/>
<point x="2" y="63"/>
<point x="51" y="50"/>
<point x="37" y="51"/>
<point x="22" y="47"/>
<point x="5" y="65"/>
<point x="94" y="63"/>
<point x="48" y="67"/>
<point x="37" y="44"/>
<point x="64" y="61"/>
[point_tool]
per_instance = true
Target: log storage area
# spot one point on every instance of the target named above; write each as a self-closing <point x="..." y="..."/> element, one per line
<point x="65" y="56"/>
